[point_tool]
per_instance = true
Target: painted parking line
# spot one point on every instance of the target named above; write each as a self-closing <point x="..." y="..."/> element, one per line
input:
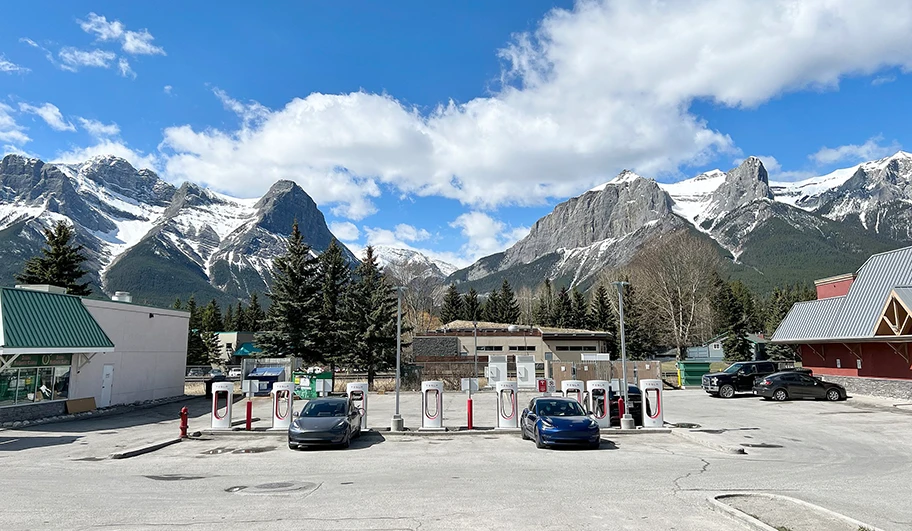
<point x="9" y="441"/>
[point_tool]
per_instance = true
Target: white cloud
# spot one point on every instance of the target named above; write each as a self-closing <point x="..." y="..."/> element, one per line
<point x="882" y="80"/>
<point x="50" y="114"/>
<point x="109" y="147"/>
<point x="133" y="42"/>
<point x="391" y="238"/>
<point x="605" y="86"/>
<point x="10" y="131"/>
<point x="346" y="231"/>
<point x="769" y="162"/>
<point x="9" y="66"/>
<point x="124" y="66"/>
<point x="72" y="58"/>
<point x="485" y="235"/>
<point x="98" y="129"/>
<point x="853" y="153"/>
<point x="411" y="234"/>
<point x="167" y="90"/>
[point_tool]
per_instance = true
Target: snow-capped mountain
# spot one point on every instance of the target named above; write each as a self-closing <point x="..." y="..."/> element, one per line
<point x="772" y="232"/>
<point x="145" y="236"/>
<point x="404" y="264"/>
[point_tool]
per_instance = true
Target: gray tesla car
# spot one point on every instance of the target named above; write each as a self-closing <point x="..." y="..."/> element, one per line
<point x="325" y="421"/>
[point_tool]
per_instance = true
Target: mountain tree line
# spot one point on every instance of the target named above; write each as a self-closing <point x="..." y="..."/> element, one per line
<point x="208" y="320"/>
<point x="500" y="306"/>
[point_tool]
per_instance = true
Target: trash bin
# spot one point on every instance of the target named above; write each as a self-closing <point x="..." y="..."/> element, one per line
<point x="304" y="385"/>
<point x="210" y="381"/>
<point x="691" y="373"/>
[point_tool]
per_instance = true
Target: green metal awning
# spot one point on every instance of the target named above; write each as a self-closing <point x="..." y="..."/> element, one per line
<point x="246" y="349"/>
<point x="37" y="322"/>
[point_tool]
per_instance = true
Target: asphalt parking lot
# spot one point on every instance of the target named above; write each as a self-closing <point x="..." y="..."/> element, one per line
<point x="852" y="457"/>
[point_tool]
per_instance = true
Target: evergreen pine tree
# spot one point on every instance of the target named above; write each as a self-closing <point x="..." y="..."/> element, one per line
<point x="601" y="317"/>
<point x="60" y="263"/>
<point x="470" y="306"/>
<point x="229" y="322"/>
<point x="491" y="310"/>
<point x="240" y="319"/>
<point x="332" y="340"/>
<point x="580" y="310"/>
<point x="638" y="333"/>
<point x="723" y="305"/>
<point x="509" y="306"/>
<point x="197" y="352"/>
<point x="292" y="322"/>
<point x="748" y="306"/>
<point x="543" y="311"/>
<point x="563" y="309"/>
<point x="254" y="316"/>
<point x="452" y="309"/>
<point x="177" y="304"/>
<point x="372" y="316"/>
<point x="735" y="345"/>
<point x="211" y="318"/>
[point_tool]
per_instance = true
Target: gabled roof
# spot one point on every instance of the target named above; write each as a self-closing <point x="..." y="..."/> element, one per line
<point x="855" y="315"/>
<point x="36" y="322"/>
<point x="904" y="294"/>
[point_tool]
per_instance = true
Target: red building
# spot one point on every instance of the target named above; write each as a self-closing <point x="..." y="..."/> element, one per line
<point x="859" y="329"/>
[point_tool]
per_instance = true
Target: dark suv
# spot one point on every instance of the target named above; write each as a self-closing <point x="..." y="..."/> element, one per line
<point x="739" y="377"/>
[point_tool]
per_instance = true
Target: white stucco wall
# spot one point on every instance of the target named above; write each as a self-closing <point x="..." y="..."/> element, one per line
<point x="149" y="357"/>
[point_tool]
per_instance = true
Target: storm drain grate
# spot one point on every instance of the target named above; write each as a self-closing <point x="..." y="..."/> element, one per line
<point x="277" y="487"/>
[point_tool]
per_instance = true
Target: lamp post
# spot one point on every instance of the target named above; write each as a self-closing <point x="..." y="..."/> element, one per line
<point x="397" y="424"/>
<point x="469" y="406"/>
<point x="627" y="422"/>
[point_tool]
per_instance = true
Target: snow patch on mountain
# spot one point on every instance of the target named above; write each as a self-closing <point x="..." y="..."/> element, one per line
<point x="396" y="260"/>
<point x="692" y="197"/>
<point x="625" y="176"/>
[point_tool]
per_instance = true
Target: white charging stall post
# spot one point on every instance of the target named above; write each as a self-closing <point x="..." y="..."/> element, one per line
<point x="496" y="370"/>
<point x="653" y="414"/>
<point x="357" y="393"/>
<point x="525" y="371"/>
<point x="432" y="406"/>
<point x="282" y="404"/>
<point x="598" y="401"/>
<point x="506" y="405"/>
<point x="573" y="389"/>
<point x="222" y="392"/>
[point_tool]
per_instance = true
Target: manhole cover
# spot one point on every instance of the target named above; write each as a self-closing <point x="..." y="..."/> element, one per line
<point x="278" y="487"/>
<point x="258" y="450"/>
<point x="218" y="451"/>
<point x="174" y="477"/>
<point x="761" y="445"/>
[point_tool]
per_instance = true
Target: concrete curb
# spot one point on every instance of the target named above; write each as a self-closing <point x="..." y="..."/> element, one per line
<point x="144" y="449"/>
<point x="756" y="524"/>
<point x="685" y="434"/>
<point x="99" y="413"/>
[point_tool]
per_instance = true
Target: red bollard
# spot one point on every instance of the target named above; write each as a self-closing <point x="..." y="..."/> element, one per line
<point x="469" y="412"/>
<point x="183" y="416"/>
<point x="621" y="407"/>
<point x="249" y="414"/>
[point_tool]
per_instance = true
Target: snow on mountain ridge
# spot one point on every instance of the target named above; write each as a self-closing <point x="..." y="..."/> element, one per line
<point x="393" y="258"/>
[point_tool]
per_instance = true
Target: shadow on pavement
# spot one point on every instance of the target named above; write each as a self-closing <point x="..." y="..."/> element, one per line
<point x="198" y="407"/>
<point x="13" y="444"/>
<point x="360" y="443"/>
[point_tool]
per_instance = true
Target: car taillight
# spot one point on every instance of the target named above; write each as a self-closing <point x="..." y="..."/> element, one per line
<point x="767" y="382"/>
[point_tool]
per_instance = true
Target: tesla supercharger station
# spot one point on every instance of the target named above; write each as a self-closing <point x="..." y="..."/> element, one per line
<point x="653" y="416"/>
<point x="282" y="404"/>
<point x="357" y="393"/>
<point x="506" y="405"/>
<point x="222" y="391"/>
<point x="546" y="386"/>
<point x="573" y="389"/>
<point x="432" y="405"/>
<point x="496" y="370"/>
<point x="598" y="401"/>
<point x="525" y="371"/>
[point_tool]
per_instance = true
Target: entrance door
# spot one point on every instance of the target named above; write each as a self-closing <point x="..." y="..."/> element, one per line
<point x="107" y="380"/>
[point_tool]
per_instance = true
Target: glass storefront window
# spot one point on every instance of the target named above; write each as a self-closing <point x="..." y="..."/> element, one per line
<point x="61" y="382"/>
<point x="21" y="386"/>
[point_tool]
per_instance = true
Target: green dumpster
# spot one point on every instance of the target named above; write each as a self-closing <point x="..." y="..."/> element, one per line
<point x="305" y="386"/>
<point x="690" y="373"/>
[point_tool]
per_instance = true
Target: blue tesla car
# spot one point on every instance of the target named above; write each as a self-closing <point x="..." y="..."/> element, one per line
<point x="554" y="420"/>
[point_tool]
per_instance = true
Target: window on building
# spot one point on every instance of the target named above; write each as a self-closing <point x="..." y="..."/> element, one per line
<point x="716" y="346"/>
<point x="575" y="348"/>
<point x="522" y="348"/>
<point x="490" y="348"/>
<point x="32" y="382"/>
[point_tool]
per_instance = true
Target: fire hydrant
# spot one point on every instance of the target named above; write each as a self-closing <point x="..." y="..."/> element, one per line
<point x="621" y="405"/>
<point x="183" y="416"/>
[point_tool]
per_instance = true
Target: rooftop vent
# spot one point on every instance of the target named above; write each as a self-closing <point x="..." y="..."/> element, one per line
<point x="47" y="288"/>
<point x="122" y="296"/>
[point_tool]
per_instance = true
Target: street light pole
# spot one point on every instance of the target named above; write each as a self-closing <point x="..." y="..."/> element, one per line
<point x="470" y="413"/>
<point x="627" y="422"/>
<point x="397" y="424"/>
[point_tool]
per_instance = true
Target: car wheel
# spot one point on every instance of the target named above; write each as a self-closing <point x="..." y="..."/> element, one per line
<point x="538" y="440"/>
<point x="347" y="442"/>
<point x="727" y="391"/>
<point x="358" y="432"/>
<point x="833" y="395"/>
<point x="292" y="446"/>
<point x="522" y="432"/>
<point x="780" y="395"/>
<point x="595" y="445"/>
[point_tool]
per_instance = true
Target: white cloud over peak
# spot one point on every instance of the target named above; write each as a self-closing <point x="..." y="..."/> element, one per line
<point x="10" y="131"/>
<point x="99" y="129"/>
<point x="133" y="42"/>
<point x="346" y="231"/>
<point x="604" y="86"/>
<point x="10" y="67"/>
<point x="114" y="147"/>
<point x="485" y="235"/>
<point x="872" y="149"/>
<point x="50" y="114"/>
<point x="410" y="233"/>
<point x="73" y="58"/>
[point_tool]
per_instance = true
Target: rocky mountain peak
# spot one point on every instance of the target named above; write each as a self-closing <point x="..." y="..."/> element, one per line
<point x="743" y="185"/>
<point x="118" y="175"/>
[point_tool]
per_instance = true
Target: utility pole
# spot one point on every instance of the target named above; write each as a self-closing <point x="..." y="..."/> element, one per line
<point x="396" y="424"/>
<point x="627" y="422"/>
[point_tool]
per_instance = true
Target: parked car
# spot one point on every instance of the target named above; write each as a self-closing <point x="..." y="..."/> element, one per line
<point x="635" y="408"/>
<point x="214" y="372"/>
<point x="552" y="420"/>
<point x="196" y="372"/>
<point x="235" y="373"/>
<point x="790" y="385"/>
<point x="325" y="421"/>
<point x="740" y="377"/>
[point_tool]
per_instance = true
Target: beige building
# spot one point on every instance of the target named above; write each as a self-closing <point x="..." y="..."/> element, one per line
<point x="459" y="338"/>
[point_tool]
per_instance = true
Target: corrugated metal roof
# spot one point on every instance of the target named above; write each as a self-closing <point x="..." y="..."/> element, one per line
<point x="40" y="320"/>
<point x="868" y="294"/>
<point x="904" y="293"/>
<point x="809" y="320"/>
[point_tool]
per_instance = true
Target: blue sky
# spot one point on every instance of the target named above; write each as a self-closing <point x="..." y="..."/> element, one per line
<point x="450" y="127"/>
